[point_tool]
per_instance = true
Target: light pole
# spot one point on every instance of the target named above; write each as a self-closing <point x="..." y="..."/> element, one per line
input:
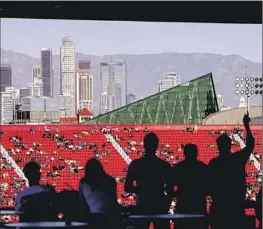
<point x="249" y="86"/>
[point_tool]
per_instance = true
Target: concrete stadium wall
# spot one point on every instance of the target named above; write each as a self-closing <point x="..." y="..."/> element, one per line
<point x="233" y="116"/>
<point x="65" y="127"/>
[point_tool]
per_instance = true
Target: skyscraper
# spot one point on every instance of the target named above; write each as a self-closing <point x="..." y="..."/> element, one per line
<point x="23" y="92"/>
<point x="113" y="78"/>
<point x="84" y="90"/>
<point x="84" y="64"/>
<point x="36" y="88"/>
<point x="5" y="77"/>
<point x="220" y="101"/>
<point x="47" y="72"/>
<point x="171" y="79"/>
<point x="14" y="91"/>
<point x="36" y="72"/>
<point x="36" y="85"/>
<point x="67" y="73"/>
<point x="7" y="107"/>
<point x="67" y="105"/>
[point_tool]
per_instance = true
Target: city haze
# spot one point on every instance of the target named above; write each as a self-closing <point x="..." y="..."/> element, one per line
<point x="112" y="37"/>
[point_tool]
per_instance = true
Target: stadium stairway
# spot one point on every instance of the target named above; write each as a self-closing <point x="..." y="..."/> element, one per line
<point x="11" y="161"/>
<point x="252" y="158"/>
<point x="118" y="148"/>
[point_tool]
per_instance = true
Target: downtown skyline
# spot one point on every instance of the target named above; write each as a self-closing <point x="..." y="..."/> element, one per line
<point x="76" y="82"/>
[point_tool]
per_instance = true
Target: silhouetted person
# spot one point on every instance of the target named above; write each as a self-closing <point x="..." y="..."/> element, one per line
<point x="151" y="175"/>
<point x="191" y="178"/>
<point x="99" y="191"/>
<point x="258" y="208"/>
<point x="228" y="182"/>
<point x="37" y="201"/>
<point x="70" y="205"/>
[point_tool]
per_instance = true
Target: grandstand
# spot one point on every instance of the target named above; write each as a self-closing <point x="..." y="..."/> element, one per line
<point x="116" y="139"/>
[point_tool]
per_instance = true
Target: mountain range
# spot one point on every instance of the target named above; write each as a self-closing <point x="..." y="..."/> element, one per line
<point x="145" y="71"/>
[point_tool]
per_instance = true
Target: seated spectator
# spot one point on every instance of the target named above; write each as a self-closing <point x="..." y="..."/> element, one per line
<point x="99" y="191"/>
<point x="32" y="130"/>
<point x="36" y="200"/>
<point x="126" y="150"/>
<point x="73" y="210"/>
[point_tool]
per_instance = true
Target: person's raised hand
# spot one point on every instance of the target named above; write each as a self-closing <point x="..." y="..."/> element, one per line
<point x="246" y="119"/>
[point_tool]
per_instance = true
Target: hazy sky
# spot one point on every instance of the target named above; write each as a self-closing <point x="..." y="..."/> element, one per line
<point x="101" y="37"/>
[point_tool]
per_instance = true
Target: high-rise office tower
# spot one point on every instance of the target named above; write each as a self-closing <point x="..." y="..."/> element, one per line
<point x="36" y="88"/>
<point x="14" y="91"/>
<point x="24" y="92"/>
<point x="220" y="101"/>
<point x="7" y="107"/>
<point x="67" y="105"/>
<point x="67" y="73"/>
<point x="47" y="72"/>
<point x="171" y="79"/>
<point x="5" y="77"/>
<point x="84" y="90"/>
<point x="36" y="72"/>
<point x="113" y="78"/>
<point x="84" y="64"/>
<point x="10" y="92"/>
<point x="36" y="85"/>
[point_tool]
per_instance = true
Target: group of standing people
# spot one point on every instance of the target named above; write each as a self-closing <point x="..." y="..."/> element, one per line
<point x="223" y="179"/>
<point x="155" y="184"/>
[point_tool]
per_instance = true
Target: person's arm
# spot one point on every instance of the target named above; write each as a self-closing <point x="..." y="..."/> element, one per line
<point x="250" y="141"/>
<point x="130" y="178"/>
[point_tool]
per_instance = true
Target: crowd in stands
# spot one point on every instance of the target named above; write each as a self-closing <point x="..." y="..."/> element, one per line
<point x="131" y="141"/>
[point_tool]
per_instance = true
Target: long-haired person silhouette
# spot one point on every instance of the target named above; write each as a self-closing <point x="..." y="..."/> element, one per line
<point x="191" y="178"/>
<point x="151" y="175"/>
<point x="227" y="182"/>
<point x="99" y="191"/>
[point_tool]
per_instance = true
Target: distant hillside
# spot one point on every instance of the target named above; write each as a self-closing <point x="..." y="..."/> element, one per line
<point x="145" y="71"/>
